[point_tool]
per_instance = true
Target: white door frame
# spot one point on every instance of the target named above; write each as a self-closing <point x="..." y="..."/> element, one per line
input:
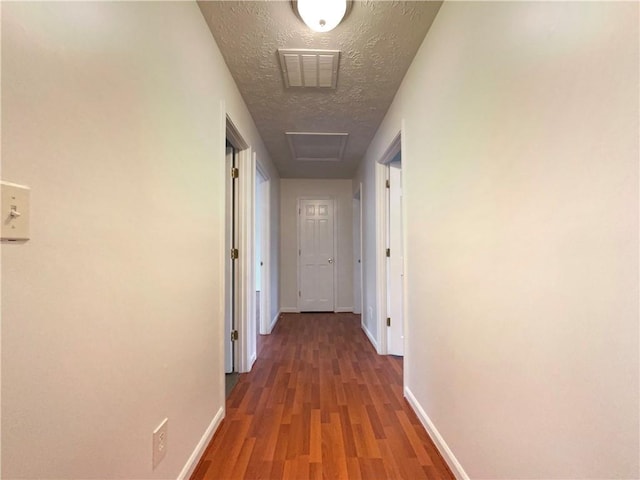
<point x="265" y="237"/>
<point x="230" y="283"/>
<point x="335" y="244"/>
<point x="245" y="301"/>
<point x="381" y="172"/>
<point x="395" y="262"/>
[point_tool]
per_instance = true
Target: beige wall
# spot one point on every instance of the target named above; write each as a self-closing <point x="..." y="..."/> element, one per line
<point x="111" y="313"/>
<point x="521" y="195"/>
<point x="290" y="191"/>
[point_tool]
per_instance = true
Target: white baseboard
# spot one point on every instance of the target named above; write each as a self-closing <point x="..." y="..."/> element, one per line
<point x="289" y="310"/>
<point x="252" y="360"/>
<point x="192" y="463"/>
<point x="369" y="336"/>
<point x="441" y="445"/>
<point x="344" y="309"/>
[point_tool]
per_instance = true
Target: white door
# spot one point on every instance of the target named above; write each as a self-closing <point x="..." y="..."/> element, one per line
<point x="395" y="273"/>
<point x="316" y="256"/>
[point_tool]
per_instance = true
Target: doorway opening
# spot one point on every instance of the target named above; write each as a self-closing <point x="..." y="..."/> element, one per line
<point x="390" y="251"/>
<point x="231" y="274"/>
<point x="262" y="252"/>
<point x="238" y="254"/>
<point x="395" y="259"/>
<point x="258" y="236"/>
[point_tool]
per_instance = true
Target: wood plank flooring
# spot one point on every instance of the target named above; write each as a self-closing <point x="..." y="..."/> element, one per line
<point x="320" y="403"/>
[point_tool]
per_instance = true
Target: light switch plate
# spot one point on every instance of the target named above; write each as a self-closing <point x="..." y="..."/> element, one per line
<point x="160" y="439"/>
<point x="15" y="211"/>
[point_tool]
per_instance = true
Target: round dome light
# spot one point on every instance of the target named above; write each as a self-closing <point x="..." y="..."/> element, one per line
<point x="322" y="15"/>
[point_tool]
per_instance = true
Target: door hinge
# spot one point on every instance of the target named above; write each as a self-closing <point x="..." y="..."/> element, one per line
<point x="388" y="321"/>
<point x="299" y="293"/>
<point x="299" y="211"/>
<point x="234" y="254"/>
<point x="235" y="173"/>
<point x="234" y="335"/>
<point x="388" y="184"/>
<point x="388" y="252"/>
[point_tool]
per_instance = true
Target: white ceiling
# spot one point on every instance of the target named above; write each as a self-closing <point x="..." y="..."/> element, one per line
<point x="377" y="39"/>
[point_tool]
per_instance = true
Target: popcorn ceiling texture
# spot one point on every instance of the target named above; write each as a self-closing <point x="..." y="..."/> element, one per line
<point x="378" y="40"/>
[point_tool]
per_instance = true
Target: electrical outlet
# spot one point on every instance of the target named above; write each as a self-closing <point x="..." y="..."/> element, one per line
<point x="160" y="437"/>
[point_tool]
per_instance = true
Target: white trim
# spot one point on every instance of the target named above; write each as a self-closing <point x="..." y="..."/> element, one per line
<point x="274" y="320"/>
<point x="252" y="360"/>
<point x="245" y="299"/>
<point x="247" y="259"/>
<point x="381" y="176"/>
<point x="265" y="235"/>
<point x="289" y="310"/>
<point x="380" y="254"/>
<point x="437" y="439"/>
<point x="233" y="134"/>
<point x="0" y="288"/>
<point x="405" y="265"/>
<point x="392" y="150"/>
<point x="343" y="310"/>
<point x="369" y="336"/>
<point x="221" y="187"/>
<point x="192" y="463"/>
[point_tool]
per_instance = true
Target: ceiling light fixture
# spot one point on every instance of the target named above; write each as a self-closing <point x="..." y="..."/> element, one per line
<point x="321" y="15"/>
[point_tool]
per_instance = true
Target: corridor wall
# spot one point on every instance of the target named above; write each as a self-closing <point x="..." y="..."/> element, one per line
<point x="114" y="114"/>
<point x="520" y="159"/>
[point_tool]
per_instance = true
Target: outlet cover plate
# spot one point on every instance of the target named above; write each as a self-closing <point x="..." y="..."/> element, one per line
<point x="160" y="437"/>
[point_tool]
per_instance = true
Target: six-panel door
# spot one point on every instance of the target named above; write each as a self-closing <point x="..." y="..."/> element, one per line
<point x="316" y="255"/>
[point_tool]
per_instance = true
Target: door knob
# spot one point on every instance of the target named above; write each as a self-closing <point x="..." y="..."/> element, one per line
<point x="331" y="260"/>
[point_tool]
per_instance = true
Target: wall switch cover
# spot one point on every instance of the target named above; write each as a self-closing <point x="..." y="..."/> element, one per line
<point x="15" y="211"/>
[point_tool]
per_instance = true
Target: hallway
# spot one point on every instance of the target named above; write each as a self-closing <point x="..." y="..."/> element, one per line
<point x="320" y="403"/>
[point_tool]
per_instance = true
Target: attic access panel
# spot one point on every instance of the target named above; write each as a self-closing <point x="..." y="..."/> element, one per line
<point x="317" y="146"/>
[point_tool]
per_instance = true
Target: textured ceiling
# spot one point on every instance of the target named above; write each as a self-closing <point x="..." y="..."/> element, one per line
<point x="377" y="39"/>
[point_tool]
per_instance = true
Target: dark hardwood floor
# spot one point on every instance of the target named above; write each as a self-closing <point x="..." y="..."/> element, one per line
<point x="320" y="403"/>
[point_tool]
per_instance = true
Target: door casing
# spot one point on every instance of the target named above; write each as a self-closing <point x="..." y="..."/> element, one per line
<point x="396" y="145"/>
<point x="230" y="265"/>
<point x="245" y="300"/>
<point x="263" y="209"/>
<point x="394" y="266"/>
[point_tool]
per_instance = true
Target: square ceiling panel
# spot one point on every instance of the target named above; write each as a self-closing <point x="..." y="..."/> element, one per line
<point x="317" y="146"/>
<point x="309" y="68"/>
